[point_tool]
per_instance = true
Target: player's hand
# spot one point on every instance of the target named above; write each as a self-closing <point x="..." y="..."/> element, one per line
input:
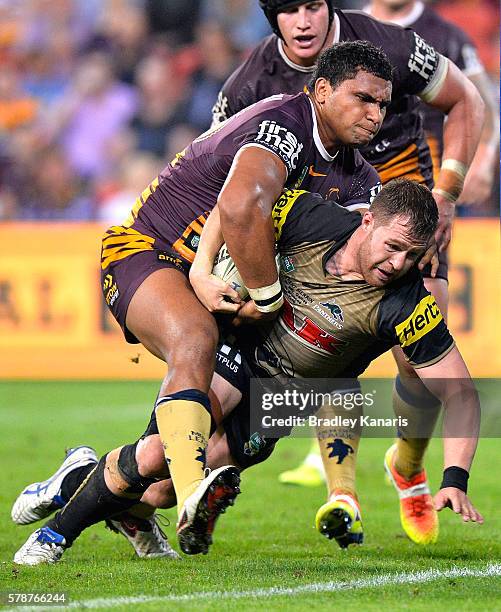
<point x="249" y="314"/>
<point x="458" y="502"/>
<point x="214" y="293"/>
<point x="430" y="257"/>
<point x="446" y="212"/>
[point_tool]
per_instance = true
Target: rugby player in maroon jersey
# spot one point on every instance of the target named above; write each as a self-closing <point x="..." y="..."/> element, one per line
<point x="243" y="165"/>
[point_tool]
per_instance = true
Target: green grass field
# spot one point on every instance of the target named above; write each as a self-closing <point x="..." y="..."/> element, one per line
<point x="267" y="541"/>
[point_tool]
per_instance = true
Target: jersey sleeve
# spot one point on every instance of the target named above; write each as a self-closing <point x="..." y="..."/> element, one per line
<point x="277" y="131"/>
<point x="410" y="318"/>
<point x="302" y="217"/>
<point x="364" y="188"/>
<point x="231" y="99"/>
<point x="418" y="67"/>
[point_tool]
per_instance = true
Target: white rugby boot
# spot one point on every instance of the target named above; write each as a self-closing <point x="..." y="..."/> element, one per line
<point x="40" y="499"/>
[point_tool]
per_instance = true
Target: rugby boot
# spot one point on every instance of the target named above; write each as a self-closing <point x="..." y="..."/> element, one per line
<point x="145" y="535"/>
<point x="303" y="476"/>
<point x="340" y="519"/>
<point x="43" y="546"/>
<point x="202" y="508"/>
<point x="418" y="516"/>
<point x="40" y="499"/>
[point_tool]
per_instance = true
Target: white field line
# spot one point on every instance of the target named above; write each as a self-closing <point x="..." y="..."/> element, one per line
<point x="490" y="571"/>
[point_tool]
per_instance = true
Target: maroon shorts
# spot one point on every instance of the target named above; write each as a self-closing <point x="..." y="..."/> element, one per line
<point x="120" y="280"/>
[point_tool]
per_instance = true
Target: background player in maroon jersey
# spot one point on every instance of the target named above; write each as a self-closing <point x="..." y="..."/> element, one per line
<point x="455" y="44"/>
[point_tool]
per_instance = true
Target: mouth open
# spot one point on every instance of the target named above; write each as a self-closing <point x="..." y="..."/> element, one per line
<point x="305" y="41"/>
<point x="384" y="275"/>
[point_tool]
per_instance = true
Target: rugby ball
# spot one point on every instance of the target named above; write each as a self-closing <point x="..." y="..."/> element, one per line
<point x="225" y="269"/>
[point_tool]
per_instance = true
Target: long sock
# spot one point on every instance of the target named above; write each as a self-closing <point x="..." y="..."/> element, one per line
<point x="183" y="421"/>
<point x="421" y="409"/>
<point x="74" y="479"/>
<point x="338" y="448"/>
<point x="91" y="503"/>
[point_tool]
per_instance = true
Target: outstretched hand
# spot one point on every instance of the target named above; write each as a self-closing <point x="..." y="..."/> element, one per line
<point x="458" y="502"/>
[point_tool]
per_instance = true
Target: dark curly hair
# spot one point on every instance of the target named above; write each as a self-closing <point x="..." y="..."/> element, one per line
<point x="343" y="60"/>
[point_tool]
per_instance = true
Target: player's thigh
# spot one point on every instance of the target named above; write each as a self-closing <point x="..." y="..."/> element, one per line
<point x="166" y="316"/>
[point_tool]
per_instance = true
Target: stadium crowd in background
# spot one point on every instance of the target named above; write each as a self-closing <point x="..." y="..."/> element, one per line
<point x="96" y="96"/>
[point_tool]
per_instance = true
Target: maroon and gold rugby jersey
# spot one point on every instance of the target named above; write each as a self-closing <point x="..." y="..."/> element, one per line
<point x="400" y="147"/>
<point x="451" y="42"/>
<point x="171" y="212"/>
<point x="331" y="327"/>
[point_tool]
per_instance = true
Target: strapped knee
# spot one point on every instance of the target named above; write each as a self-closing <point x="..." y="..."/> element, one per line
<point x="129" y="470"/>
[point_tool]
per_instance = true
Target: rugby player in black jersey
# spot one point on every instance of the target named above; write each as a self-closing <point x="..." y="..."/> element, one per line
<point x="285" y="61"/>
<point x="364" y="265"/>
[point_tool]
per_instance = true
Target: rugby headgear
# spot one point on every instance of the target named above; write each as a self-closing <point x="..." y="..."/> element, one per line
<point x="271" y="9"/>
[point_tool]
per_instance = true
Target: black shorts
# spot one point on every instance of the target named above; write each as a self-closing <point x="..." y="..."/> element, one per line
<point x="247" y="448"/>
<point x="121" y="279"/>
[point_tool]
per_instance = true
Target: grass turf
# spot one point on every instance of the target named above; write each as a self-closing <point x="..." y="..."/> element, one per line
<point x="266" y="540"/>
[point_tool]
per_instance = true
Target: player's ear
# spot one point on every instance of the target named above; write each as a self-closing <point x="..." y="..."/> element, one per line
<point x="367" y="221"/>
<point x="322" y="90"/>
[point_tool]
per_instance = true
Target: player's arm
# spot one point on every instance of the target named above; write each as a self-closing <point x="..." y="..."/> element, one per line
<point x="457" y="97"/>
<point x="210" y="289"/>
<point x="255" y="181"/>
<point x="480" y="178"/>
<point x="450" y="381"/>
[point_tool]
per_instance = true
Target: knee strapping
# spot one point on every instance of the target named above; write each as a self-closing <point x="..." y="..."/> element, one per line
<point x="129" y="470"/>
<point x="190" y="395"/>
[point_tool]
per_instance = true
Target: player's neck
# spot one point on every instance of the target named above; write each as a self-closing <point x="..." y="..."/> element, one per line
<point x="344" y="262"/>
<point x="382" y="11"/>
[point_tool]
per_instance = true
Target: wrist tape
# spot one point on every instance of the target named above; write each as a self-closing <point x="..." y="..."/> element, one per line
<point x="268" y="299"/>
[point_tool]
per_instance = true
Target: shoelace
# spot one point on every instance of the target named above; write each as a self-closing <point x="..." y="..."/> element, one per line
<point x="419" y="505"/>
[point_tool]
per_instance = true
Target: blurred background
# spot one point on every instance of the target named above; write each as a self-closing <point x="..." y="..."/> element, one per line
<point x="96" y="97"/>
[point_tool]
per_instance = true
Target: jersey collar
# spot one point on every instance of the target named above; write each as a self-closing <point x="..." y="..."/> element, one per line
<point x="316" y="137"/>
<point x="293" y="65"/>
<point x="406" y="21"/>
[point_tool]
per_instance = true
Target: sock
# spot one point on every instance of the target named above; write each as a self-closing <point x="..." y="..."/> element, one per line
<point x="184" y="421"/>
<point x="91" y="503"/>
<point x="74" y="479"/>
<point x="421" y="409"/>
<point x="338" y="448"/>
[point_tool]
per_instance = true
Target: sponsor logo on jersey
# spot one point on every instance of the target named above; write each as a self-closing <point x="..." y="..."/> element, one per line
<point x="424" y="58"/>
<point x="282" y="208"/>
<point x="424" y="318"/>
<point x="281" y="141"/>
<point x="110" y="290"/>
